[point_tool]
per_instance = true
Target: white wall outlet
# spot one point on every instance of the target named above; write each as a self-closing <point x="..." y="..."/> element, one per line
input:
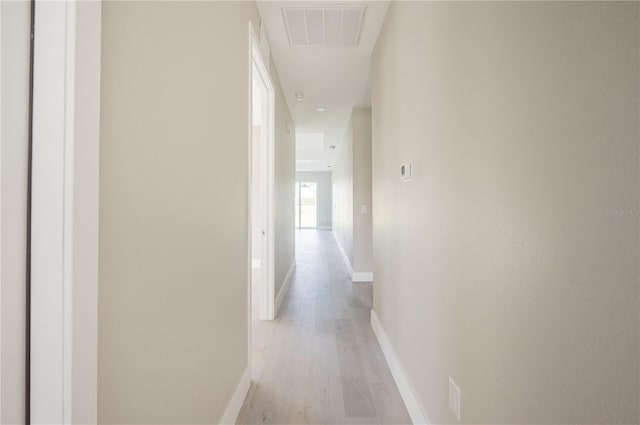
<point x="363" y="209"/>
<point x="454" y="398"/>
<point x="406" y="171"/>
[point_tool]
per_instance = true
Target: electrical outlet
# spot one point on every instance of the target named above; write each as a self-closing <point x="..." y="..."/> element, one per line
<point x="406" y="171"/>
<point x="454" y="398"/>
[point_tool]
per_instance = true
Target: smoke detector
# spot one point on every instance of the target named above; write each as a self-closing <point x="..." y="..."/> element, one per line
<point x="324" y="26"/>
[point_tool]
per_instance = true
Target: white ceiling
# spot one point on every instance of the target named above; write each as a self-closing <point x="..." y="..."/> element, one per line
<point x="337" y="78"/>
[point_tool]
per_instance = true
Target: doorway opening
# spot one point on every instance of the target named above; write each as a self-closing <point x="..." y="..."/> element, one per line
<point x="306" y="205"/>
<point x="262" y="292"/>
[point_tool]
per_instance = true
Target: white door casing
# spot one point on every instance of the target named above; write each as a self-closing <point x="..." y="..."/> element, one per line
<point x="65" y="195"/>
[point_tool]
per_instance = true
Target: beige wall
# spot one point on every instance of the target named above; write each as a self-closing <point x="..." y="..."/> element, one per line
<point x="86" y="209"/>
<point x="510" y="262"/>
<point x="285" y="178"/>
<point x="324" y="182"/>
<point x="15" y="114"/>
<point x="352" y="190"/>
<point x="173" y="209"/>
<point x="362" y="221"/>
<point x="343" y="193"/>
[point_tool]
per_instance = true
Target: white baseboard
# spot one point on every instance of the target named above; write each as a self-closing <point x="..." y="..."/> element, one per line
<point x="230" y="415"/>
<point x="343" y="254"/>
<point x="417" y="414"/>
<point x="362" y="277"/>
<point x="324" y="227"/>
<point x="285" y="287"/>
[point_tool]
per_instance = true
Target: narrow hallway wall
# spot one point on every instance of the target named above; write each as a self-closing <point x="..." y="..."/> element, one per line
<point x="343" y="194"/>
<point x="362" y="208"/>
<point x="352" y="192"/>
<point x="15" y="116"/>
<point x="510" y="262"/>
<point x="174" y="208"/>
<point x="285" y="179"/>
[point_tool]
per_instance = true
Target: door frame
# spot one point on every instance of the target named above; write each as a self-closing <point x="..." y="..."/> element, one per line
<point x="299" y="224"/>
<point x="65" y="195"/>
<point x="257" y="65"/>
<point x="0" y="211"/>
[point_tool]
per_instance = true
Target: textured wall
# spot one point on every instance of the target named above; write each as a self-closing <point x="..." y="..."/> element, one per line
<point x="15" y="115"/>
<point x="362" y="222"/>
<point x="173" y="209"/>
<point x="510" y="262"/>
<point x="285" y="179"/>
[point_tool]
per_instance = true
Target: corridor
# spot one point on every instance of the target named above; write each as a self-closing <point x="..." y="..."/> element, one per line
<point x="319" y="361"/>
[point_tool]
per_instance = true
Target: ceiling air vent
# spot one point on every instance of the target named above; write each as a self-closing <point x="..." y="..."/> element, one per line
<point x="329" y="26"/>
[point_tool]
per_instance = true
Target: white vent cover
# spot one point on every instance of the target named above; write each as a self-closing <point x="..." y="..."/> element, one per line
<point x="328" y="26"/>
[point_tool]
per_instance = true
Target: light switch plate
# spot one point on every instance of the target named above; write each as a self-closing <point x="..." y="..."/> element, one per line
<point x="454" y="398"/>
<point x="363" y="209"/>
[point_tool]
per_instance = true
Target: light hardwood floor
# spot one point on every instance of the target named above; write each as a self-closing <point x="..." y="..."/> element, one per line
<point x="319" y="361"/>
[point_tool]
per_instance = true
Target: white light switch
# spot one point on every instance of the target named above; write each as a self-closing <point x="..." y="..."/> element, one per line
<point x="363" y="209"/>
<point x="454" y="398"/>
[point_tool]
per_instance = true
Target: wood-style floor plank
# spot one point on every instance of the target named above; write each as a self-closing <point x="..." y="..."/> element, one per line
<point x="319" y="361"/>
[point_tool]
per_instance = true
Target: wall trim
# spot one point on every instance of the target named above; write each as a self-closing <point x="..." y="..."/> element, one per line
<point x="285" y="287"/>
<point x="417" y="413"/>
<point x="362" y="277"/>
<point x="230" y="415"/>
<point x="343" y="254"/>
<point x="66" y="135"/>
<point x="324" y="227"/>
